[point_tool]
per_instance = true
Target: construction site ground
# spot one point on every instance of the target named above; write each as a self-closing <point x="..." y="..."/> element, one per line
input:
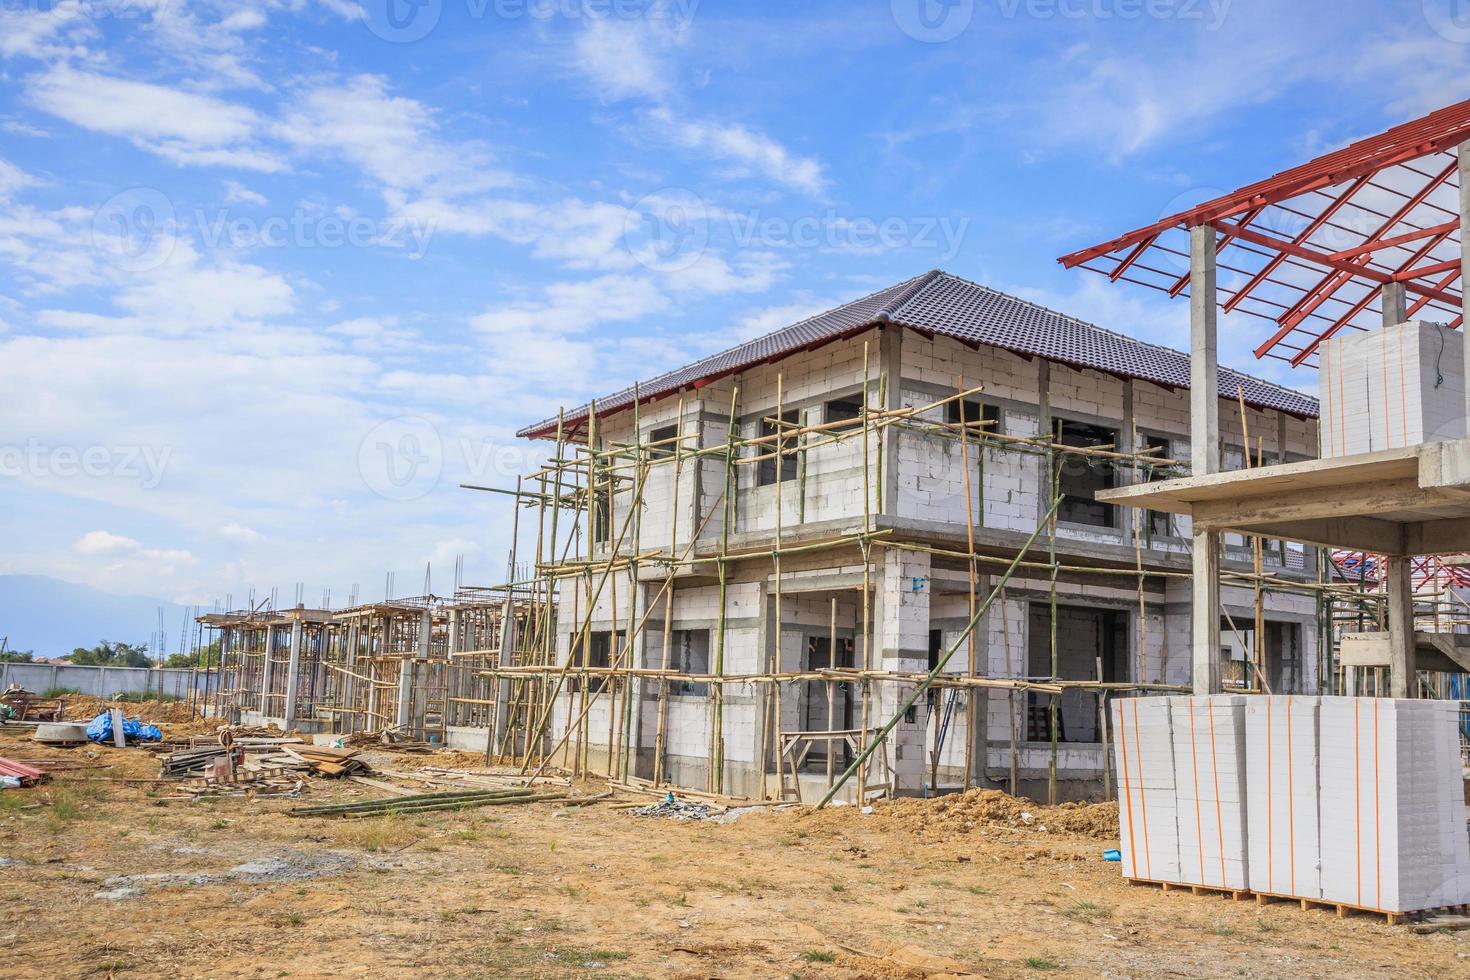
<point x="101" y="876"/>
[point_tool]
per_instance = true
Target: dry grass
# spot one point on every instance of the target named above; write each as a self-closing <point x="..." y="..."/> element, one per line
<point x="375" y="834"/>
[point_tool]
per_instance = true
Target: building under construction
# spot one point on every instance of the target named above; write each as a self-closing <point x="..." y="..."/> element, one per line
<point x="758" y="558"/>
<point x="917" y="542"/>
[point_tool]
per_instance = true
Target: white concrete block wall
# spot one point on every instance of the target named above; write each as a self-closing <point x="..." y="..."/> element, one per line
<point x="1005" y="493"/>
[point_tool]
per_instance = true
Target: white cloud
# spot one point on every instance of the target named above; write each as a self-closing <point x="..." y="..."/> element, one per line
<point x="12" y="179"/>
<point x="625" y="58"/>
<point x="105" y="543"/>
<point x="43" y="34"/>
<point x="572" y="307"/>
<point x="240" y="534"/>
<point x="184" y="127"/>
<point x="747" y="150"/>
<point x="238" y="193"/>
<point x="122" y="549"/>
<point x="390" y="137"/>
<point x="581" y="234"/>
<point x="187" y="294"/>
<point x="631" y="59"/>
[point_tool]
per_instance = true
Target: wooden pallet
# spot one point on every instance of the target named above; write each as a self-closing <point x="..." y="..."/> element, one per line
<point x="1234" y="894"/>
<point x="1343" y="909"/>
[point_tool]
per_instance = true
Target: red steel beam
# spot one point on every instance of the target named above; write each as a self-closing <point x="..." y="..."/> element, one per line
<point x="1397" y="240"/>
<point x="1329" y="286"/>
<point x="1368" y="297"/>
<point x="1311" y="229"/>
<point x="1438" y="131"/>
<point x="1285" y="248"/>
<point x="1425" y="271"/>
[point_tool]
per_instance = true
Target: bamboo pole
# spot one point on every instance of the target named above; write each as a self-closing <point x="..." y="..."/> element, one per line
<point x="934" y="673"/>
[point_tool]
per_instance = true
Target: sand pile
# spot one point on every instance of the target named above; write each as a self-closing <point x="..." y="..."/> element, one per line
<point x="980" y="809"/>
<point x="82" y="707"/>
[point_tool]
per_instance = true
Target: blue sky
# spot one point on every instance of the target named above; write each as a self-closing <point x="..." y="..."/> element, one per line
<point x="277" y="275"/>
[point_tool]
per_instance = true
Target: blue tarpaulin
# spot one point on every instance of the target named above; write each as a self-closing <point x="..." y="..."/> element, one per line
<point x="100" y="730"/>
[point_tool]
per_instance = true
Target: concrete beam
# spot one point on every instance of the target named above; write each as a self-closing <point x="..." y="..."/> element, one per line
<point x="1450" y="536"/>
<point x="1356" y="533"/>
<point x="1364" y="499"/>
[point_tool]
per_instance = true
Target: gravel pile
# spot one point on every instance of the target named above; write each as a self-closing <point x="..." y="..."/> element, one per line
<point x="676" y="810"/>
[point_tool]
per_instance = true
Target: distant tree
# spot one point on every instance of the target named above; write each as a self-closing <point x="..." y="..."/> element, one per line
<point x="17" y="656"/>
<point x="206" y="656"/>
<point x="109" y="654"/>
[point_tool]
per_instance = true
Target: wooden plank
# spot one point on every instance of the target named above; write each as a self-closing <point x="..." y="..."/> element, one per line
<point x="380" y="785"/>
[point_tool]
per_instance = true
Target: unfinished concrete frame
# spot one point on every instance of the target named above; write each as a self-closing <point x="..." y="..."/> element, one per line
<point x="687" y="537"/>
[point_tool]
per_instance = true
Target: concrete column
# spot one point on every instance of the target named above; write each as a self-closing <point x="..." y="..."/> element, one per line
<point x="902" y="626"/>
<point x="1465" y="252"/>
<point x="374" y="700"/>
<point x="349" y="683"/>
<point x="453" y="686"/>
<point x="503" y="684"/>
<point x="1204" y="444"/>
<point x="1395" y="304"/>
<point x="890" y="360"/>
<point x="293" y="675"/>
<point x="1127" y="475"/>
<point x="1401" y="628"/>
<point x="265" y="677"/>
<point x="405" y="692"/>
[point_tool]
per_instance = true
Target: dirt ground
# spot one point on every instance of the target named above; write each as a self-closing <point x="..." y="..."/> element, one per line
<point x="102" y="877"/>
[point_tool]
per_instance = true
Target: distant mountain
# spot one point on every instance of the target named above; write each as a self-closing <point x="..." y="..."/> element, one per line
<point x="53" y="617"/>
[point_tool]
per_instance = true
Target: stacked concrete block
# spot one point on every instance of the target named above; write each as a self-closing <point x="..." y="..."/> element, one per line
<point x="1351" y="801"/>
<point x="1393" y="809"/>
<point x="1391" y="388"/>
<point x="1143" y="752"/>
<point x="1283" y="794"/>
<point x="1209" y="777"/>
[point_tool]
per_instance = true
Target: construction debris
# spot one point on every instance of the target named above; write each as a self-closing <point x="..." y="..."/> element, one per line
<point x="26" y="705"/>
<point x="676" y="810"/>
<point x="15" y="774"/>
<point x="317" y="759"/>
<point x="202" y="761"/>
<point x="60" y="733"/>
<point x="110" y="727"/>
<point x="426" y="802"/>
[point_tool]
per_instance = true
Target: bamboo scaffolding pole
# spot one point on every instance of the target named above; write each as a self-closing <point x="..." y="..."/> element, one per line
<point x="594" y="480"/>
<point x="933" y="674"/>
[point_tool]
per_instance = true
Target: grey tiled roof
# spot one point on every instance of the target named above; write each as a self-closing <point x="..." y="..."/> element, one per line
<point x="939" y="303"/>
